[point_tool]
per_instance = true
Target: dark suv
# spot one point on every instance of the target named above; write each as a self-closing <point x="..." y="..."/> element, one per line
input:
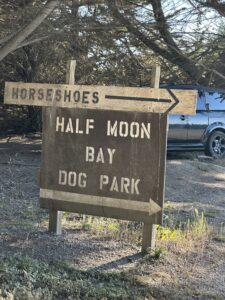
<point x="203" y="131"/>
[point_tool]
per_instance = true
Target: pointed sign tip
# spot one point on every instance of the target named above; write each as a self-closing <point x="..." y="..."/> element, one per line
<point x="153" y="207"/>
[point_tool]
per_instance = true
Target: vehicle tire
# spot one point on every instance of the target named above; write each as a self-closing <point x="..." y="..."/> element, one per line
<point x="215" y="145"/>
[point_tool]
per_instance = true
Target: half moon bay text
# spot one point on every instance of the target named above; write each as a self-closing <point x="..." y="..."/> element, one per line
<point x="113" y="128"/>
<point x="102" y="155"/>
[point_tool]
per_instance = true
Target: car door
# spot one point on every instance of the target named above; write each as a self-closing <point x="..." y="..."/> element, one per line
<point x="178" y="125"/>
<point x="198" y="123"/>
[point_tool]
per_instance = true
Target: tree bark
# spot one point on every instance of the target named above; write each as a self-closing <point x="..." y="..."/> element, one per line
<point x="20" y="36"/>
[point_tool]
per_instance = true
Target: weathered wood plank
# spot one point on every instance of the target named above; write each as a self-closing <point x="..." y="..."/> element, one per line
<point x="149" y="207"/>
<point x="96" y="210"/>
<point x="55" y="216"/>
<point x="101" y="97"/>
<point x="95" y="158"/>
<point x="155" y="78"/>
<point x="70" y="74"/>
<point x="55" y="221"/>
<point x="148" y="236"/>
<point x="149" y="229"/>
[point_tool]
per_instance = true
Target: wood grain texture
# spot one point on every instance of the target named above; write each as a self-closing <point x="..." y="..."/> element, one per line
<point x="100" y="97"/>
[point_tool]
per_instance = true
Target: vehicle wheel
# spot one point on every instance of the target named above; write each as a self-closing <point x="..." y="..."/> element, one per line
<point x="215" y="145"/>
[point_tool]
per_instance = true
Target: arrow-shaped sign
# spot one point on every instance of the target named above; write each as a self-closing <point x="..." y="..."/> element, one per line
<point x="150" y="207"/>
<point x="101" y="97"/>
<point x="176" y="101"/>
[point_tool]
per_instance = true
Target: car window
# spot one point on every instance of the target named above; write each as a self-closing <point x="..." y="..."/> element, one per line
<point x="215" y="100"/>
<point x="201" y="101"/>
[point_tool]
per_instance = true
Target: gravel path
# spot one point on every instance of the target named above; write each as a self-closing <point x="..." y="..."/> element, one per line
<point x="198" y="273"/>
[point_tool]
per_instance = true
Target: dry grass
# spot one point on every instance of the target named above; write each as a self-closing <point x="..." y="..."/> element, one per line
<point x="180" y="237"/>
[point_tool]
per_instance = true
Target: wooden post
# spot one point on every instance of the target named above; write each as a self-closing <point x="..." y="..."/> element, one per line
<point x="148" y="237"/>
<point x="55" y="221"/>
<point x="155" y="76"/>
<point x="55" y="216"/>
<point x="70" y="73"/>
<point x="149" y="229"/>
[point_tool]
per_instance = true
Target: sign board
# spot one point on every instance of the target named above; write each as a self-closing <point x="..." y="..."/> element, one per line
<point x="105" y="163"/>
<point x="101" y="97"/>
<point x="104" y="148"/>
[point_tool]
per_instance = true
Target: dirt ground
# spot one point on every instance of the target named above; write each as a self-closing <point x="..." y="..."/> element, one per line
<point x="192" y="182"/>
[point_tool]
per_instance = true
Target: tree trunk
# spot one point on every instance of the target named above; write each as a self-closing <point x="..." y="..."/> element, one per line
<point x="17" y="39"/>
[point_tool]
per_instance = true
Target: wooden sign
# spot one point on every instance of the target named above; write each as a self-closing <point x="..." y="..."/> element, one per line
<point x="103" y="163"/>
<point x="102" y="97"/>
<point x="104" y="147"/>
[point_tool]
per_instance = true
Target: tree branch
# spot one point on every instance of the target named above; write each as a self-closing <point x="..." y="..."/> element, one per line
<point x="215" y="4"/>
<point x="79" y="3"/>
<point x="37" y="40"/>
<point x="17" y="39"/>
<point x="6" y="38"/>
<point x="172" y="54"/>
<point x="162" y="25"/>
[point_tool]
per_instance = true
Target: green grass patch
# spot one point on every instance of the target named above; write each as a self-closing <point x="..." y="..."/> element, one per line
<point x="173" y="230"/>
<point x="196" y="225"/>
<point x="25" y="279"/>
